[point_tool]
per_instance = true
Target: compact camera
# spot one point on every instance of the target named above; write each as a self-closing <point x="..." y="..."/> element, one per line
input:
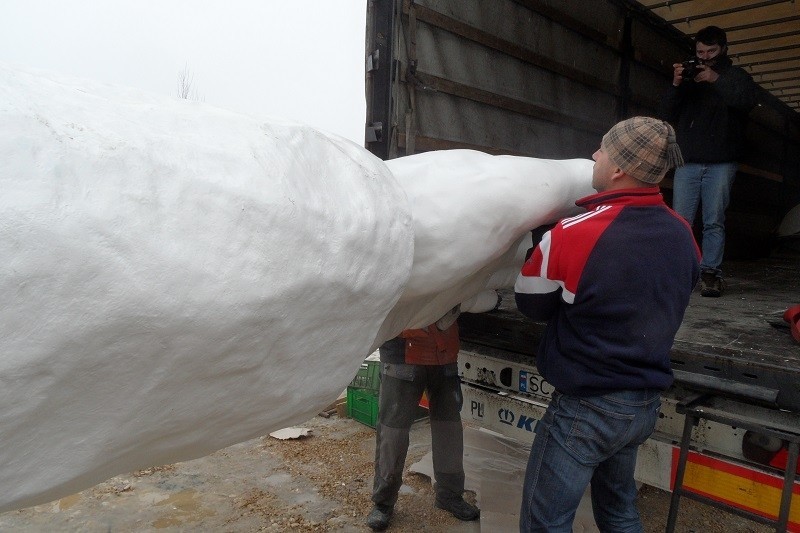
<point x="690" y="69"/>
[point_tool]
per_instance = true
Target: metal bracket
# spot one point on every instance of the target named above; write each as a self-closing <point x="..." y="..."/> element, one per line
<point x="373" y="61"/>
<point x="374" y="132"/>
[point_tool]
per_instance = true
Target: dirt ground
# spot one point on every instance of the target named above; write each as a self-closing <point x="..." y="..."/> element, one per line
<point x="320" y="482"/>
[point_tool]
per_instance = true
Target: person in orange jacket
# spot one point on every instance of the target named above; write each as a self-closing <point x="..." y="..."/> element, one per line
<point x="413" y="362"/>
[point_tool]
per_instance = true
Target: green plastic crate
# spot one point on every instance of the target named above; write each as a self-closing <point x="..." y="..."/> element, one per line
<point x="362" y="405"/>
<point x="368" y="376"/>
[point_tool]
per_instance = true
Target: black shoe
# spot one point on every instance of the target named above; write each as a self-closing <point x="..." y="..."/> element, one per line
<point x="379" y="518"/>
<point x="460" y="509"/>
<point x="711" y="285"/>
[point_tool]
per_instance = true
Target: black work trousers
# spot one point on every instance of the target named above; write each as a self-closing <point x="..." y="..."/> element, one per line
<point x="400" y="392"/>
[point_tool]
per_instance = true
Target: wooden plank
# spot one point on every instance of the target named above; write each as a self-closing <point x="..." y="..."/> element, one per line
<point x="431" y="82"/>
<point x="466" y="31"/>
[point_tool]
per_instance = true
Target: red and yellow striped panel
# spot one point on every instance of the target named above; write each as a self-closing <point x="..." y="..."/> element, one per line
<point x="736" y="485"/>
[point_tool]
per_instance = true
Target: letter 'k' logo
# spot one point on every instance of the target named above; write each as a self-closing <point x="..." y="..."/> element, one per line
<point x="525" y="423"/>
<point x="506" y="416"/>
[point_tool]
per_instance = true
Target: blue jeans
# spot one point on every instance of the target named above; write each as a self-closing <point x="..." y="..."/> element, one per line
<point x="582" y="441"/>
<point x="709" y="185"/>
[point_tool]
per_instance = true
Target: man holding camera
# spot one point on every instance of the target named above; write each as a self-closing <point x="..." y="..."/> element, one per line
<point x="708" y="104"/>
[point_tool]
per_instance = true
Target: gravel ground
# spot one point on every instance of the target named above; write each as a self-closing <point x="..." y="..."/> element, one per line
<point x="320" y="482"/>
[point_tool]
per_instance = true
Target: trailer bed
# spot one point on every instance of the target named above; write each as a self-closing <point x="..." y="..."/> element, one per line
<point x="737" y="344"/>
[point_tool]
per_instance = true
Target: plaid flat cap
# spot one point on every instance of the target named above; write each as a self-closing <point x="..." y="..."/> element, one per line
<point x="643" y="147"/>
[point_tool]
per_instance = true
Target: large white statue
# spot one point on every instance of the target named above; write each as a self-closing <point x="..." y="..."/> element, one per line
<point x="177" y="278"/>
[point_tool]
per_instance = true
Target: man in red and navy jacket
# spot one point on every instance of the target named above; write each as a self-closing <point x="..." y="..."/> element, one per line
<point x="613" y="284"/>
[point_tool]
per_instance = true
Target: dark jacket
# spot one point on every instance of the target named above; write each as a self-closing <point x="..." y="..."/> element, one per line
<point x="614" y="283"/>
<point x="710" y="118"/>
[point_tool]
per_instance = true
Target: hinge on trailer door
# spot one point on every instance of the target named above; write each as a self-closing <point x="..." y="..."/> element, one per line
<point x="372" y="61"/>
<point x="374" y="132"/>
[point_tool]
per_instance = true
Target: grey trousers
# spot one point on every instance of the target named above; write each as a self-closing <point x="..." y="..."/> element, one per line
<point x="400" y="392"/>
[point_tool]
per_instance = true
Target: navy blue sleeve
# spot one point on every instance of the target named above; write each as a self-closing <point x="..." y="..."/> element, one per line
<point x="539" y="307"/>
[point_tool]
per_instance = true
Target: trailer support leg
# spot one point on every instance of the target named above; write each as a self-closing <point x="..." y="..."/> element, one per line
<point x="788" y="483"/>
<point x="677" y="489"/>
<point x="783" y="425"/>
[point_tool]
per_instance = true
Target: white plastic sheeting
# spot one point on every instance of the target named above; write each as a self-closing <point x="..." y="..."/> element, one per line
<point x="177" y="278"/>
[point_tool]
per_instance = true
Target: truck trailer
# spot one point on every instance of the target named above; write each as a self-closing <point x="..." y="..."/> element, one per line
<point x="547" y="79"/>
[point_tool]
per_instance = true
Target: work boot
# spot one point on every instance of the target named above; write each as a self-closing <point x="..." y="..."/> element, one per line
<point x="459" y="508"/>
<point x="380" y="516"/>
<point x="710" y="284"/>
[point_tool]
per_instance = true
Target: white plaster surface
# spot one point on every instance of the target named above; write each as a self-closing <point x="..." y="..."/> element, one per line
<point x="472" y="215"/>
<point x="177" y="278"/>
